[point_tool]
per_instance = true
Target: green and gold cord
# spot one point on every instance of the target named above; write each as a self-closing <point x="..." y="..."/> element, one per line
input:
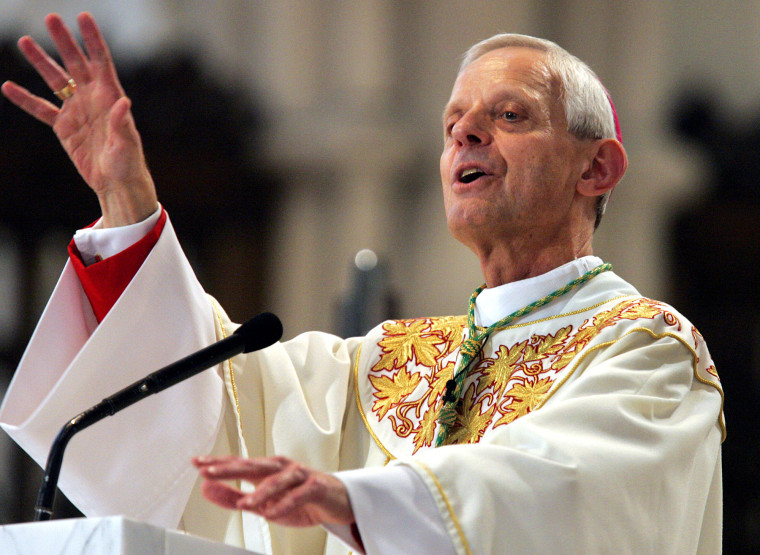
<point x="473" y="345"/>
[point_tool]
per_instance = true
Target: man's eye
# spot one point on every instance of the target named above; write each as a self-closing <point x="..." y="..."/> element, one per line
<point x="510" y="116"/>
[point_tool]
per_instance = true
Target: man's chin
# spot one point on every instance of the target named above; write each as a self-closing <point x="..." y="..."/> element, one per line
<point x="470" y="231"/>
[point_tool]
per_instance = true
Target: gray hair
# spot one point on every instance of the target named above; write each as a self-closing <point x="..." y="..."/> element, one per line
<point x="588" y="108"/>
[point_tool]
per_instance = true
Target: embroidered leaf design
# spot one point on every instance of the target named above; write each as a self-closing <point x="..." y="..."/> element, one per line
<point x="496" y="372"/>
<point x="471" y="423"/>
<point x="542" y="346"/>
<point x="404" y="343"/>
<point x="586" y="333"/>
<point x="568" y="355"/>
<point x="609" y="317"/>
<point x="390" y="391"/>
<point x="425" y="434"/>
<point x="438" y="382"/>
<point x="640" y="310"/>
<point x="626" y="310"/>
<point x="525" y="398"/>
<point x="450" y="329"/>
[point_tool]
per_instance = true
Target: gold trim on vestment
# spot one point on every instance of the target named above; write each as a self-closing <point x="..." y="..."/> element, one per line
<point x="524" y="324"/>
<point x="578" y="360"/>
<point x="654" y="335"/>
<point x="229" y="370"/>
<point x="573" y="313"/>
<point x="361" y="409"/>
<point x="449" y="507"/>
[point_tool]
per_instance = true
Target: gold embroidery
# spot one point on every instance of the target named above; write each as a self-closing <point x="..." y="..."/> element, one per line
<point x="438" y="382"/>
<point x="549" y="345"/>
<point x="532" y="366"/>
<point x="695" y="369"/>
<point x="626" y="310"/>
<point x="406" y="340"/>
<point x="507" y="383"/>
<point x="472" y="421"/>
<point x="425" y="433"/>
<point x="562" y="315"/>
<point x="376" y="439"/>
<point x="390" y="391"/>
<point x="697" y="336"/>
<point x="449" y="328"/>
<point x="671" y="319"/>
<point x="536" y="368"/>
<point x="512" y="382"/>
<point x="523" y="398"/>
<point x="498" y="371"/>
<point x="428" y="342"/>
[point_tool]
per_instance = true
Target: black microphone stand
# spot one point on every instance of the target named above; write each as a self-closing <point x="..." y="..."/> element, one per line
<point x="245" y="339"/>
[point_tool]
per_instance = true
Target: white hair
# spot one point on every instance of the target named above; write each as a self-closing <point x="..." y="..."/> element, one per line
<point x="588" y="109"/>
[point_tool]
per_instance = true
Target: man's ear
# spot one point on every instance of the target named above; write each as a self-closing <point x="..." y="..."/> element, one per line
<point x="608" y="165"/>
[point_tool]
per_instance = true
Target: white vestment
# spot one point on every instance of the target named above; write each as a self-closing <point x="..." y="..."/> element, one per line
<point x="590" y="425"/>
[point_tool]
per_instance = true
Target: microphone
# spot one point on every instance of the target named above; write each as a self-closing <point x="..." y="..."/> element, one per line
<point x="260" y="331"/>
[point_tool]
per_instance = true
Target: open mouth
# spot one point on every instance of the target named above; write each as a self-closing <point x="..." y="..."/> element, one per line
<point x="471" y="174"/>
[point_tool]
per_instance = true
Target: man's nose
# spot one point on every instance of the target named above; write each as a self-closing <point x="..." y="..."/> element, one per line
<point x="470" y="130"/>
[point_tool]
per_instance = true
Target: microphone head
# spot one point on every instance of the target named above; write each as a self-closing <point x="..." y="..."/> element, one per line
<point x="261" y="331"/>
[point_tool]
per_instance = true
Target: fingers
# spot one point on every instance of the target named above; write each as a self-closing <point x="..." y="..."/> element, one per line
<point x="286" y="491"/>
<point x="53" y="74"/>
<point x="71" y="55"/>
<point x="97" y="48"/>
<point x="33" y="105"/>
<point x="280" y="495"/>
<point x="270" y="498"/>
<point x="299" y="496"/>
<point x="221" y="494"/>
<point x="236" y="468"/>
<point x="77" y="66"/>
<point x="273" y="478"/>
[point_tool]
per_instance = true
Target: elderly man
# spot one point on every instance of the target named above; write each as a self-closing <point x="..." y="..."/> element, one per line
<point x="563" y="413"/>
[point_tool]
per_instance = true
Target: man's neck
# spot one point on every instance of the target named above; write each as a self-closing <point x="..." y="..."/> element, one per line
<point x="504" y="263"/>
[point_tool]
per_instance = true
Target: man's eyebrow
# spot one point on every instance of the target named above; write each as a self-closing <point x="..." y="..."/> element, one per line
<point x="452" y="108"/>
<point x="447" y="111"/>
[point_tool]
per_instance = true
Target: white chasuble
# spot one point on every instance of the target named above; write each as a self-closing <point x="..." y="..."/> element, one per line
<point x="596" y="429"/>
<point x="592" y="425"/>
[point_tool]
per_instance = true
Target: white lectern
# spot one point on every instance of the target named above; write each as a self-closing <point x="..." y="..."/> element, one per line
<point x="113" y="535"/>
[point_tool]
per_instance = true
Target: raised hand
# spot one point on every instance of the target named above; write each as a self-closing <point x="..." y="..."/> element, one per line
<point x="286" y="493"/>
<point x="94" y="123"/>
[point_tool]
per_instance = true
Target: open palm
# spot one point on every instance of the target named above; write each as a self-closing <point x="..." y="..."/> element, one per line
<point x="95" y="124"/>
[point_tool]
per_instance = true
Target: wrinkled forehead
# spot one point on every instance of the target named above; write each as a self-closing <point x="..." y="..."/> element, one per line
<point x="528" y="59"/>
<point x="513" y="67"/>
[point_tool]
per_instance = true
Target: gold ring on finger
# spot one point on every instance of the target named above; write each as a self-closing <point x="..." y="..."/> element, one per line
<point x="66" y="91"/>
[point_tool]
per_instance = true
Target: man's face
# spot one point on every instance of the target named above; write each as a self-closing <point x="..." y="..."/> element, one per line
<point x="509" y="165"/>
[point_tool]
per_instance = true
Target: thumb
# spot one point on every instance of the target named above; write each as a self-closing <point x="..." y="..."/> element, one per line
<point x="121" y="124"/>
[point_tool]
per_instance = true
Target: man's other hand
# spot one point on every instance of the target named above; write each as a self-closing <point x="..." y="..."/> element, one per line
<point x="287" y="492"/>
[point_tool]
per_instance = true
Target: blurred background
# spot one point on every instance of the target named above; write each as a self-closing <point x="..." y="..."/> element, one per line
<point x="286" y="136"/>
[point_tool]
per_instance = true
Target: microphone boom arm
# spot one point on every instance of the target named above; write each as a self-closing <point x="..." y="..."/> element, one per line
<point x="245" y="339"/>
